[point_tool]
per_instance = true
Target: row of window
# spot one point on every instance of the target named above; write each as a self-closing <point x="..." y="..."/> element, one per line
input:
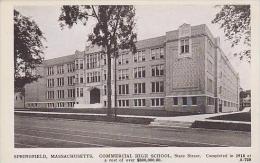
<point x="61" y="93"/>
<point x="139" y="72"/>
<point x="52" y="104"/>
<point x="79" y="64"/>
<point x="139" y="88"/>
<point x="140" y="102"/>
<point x="60" y="81"/>
<point x="60" y="69"/>
<point x="193" y="101"/>
<point x="60" y="104"/>
<point x="93" y="60"/>
<point x="228" y="104"/>
<point x="184" y="100"/>
<point x="93" y="77"/>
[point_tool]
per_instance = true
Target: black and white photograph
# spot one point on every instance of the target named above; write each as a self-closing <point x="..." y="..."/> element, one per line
<point x="132" y="76"/>
<point x="120" y="82"/>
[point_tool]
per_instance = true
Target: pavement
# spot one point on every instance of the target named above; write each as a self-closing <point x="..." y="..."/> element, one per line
<point x="45" y="132"/>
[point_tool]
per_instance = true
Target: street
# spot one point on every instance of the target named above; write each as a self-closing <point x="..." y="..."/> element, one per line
<point x="41" y="132"/>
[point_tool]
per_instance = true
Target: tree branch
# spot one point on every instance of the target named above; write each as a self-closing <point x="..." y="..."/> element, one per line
<point x="93" y="9"/>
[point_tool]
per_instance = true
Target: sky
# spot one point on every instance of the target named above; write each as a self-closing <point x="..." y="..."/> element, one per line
<point x="151" y="21"/>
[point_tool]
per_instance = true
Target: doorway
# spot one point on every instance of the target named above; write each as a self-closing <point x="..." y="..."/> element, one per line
<point x="94" y="96"/>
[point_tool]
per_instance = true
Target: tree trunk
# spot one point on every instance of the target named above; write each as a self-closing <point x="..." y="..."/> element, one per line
<point x="109" y="91"/>
<point x="115" y="59"/>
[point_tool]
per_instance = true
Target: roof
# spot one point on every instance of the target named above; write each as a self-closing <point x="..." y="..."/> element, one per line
<point x="60" y="60"/>
<point x="156" y="41"/>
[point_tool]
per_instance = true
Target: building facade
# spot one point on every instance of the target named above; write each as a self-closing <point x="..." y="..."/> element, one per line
<point x="245" y="99"/>
<point x="185" y="70"/>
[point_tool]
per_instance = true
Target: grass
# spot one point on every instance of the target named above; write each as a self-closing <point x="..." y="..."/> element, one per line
<point x="120" y="111"/>
<point x="222" y="125"/>
<point x="119" y="119"/>
<point x="244" y="116"/>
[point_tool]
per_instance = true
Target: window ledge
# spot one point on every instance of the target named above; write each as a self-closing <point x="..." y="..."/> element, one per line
<point x="184" y="55"/>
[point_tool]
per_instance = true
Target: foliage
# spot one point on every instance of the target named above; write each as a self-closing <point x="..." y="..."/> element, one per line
<point x="235" y="20"/>
<point x="114" y="30"/>
<point x="28" y="50"/>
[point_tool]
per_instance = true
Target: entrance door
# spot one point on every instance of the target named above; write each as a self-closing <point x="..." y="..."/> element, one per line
<point x="94" y="96"/>
<point x="220" y="107"/>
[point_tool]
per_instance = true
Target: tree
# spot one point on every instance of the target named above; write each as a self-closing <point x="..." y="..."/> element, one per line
<point x="28" y="50"/>
<point x="235" y="20"/>
<point x="114" y="30"/>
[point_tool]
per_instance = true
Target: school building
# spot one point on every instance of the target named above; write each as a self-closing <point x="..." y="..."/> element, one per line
<point x="185" y="70"/>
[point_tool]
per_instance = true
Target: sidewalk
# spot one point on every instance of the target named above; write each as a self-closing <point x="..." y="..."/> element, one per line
<point x="200" y="117"/>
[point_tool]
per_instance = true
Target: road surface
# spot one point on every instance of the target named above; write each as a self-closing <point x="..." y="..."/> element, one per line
<point x="42" y="132"/>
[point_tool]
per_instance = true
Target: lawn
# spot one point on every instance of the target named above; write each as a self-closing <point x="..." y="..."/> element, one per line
<point x="243" y="116"/>
<point x="133" y="120"/>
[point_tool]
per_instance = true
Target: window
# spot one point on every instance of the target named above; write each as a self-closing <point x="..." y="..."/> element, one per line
<point x="76" y="64"/>
<point x="81" y="79"/>
<point x="123" y="74"/>
<point x="139" y="102"/>
<point x="93" y="77"/>
<point x="50" y="71"/>
<point x="50" y="83"/>
<point x="60" y="94"/>
<point x="105" y="90"/>
<point x="139" y="72"/>
<point x="139" y="88"/>
<point x="123" y="103"/>
<point x="185" y="46"/>
<point x="157" y="53"/>
<point x="123" y="59"/>
<point x="71" y="67"/>
<point x="157" y="70"/>
<point x="210" y="66"/>
<point x="70" y="80"/>
<point x="210" y="85"/>
<point x="105" y="75"/>
<point x="81" y="92"/>
<point x="60" y="69"/>
<point x="50" y="105"/>
<point x="210" y="101"/>
<point x="157" y="102"/>
<point x="71" y="104"/>
<point x="50" y="94"/>
<point x="79" y="64"/>
<point x="184" y="100"/>
<point x="60" y="104"/>
<point x="93" y="60"/>
<point x="225" y="103"/>
<point x="77" y="92"/>
<point x="194" y="100"/>
<point x="139" y="56"/>
<point x="175" y="100"/>
<point x="220" y="89"/>
<point x="123" y="89"/>
<point x="158" y="86"/>
<point x="60" y="82"/>
<point x="71" y="93"/>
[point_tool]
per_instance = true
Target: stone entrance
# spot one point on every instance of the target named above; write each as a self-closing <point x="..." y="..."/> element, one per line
<point x="94" y="96"/>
